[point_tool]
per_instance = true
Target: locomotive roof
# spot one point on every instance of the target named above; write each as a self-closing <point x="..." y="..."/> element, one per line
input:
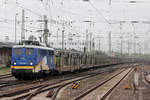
<point x="32" y="46"/>
<point x="7" y="44"/>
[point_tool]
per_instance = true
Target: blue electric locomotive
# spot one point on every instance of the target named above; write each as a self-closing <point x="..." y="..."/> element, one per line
<point x="29" y="61"/>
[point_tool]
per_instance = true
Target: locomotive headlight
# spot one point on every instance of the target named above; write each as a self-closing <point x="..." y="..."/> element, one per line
<point x="31" y="63"/>
<point x="14" y="63"/>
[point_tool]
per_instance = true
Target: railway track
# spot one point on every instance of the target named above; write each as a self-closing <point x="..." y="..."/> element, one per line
<point x="8" y="83"/>
<point x="5" y="84"/>
<point x="146" y="76"/>
<point x="12" y="83"/>
<point x="33" y="89"/>
<point x="5" y="76"/>
<point x="61" y="85"/>
<point x="103" y="89"/>
<point x="7" y="80"/>
<point x="145" y="73"/>
<point x="54" y="91"/>
<point x="41" y="88"/>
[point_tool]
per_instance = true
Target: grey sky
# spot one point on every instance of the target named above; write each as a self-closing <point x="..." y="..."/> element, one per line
<point x="78" y="11"/>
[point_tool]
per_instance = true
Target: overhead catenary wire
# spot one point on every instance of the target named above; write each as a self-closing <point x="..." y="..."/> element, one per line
<point x="99" y="12"/>
<point x="67" y="12"/>
<point x="26" y="9"/>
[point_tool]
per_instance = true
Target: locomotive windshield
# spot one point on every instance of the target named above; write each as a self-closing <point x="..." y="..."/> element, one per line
<point x="18" y="51"/>
<point x="29" y="51"/>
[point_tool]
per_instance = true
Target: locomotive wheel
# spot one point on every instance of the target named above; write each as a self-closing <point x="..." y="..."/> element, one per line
<point x="45" y="75"/>
<point x="52" y="73"/>
<point x="41" y="74"/>
<point x="57" y="72"/>
<point x="18" y="77"/>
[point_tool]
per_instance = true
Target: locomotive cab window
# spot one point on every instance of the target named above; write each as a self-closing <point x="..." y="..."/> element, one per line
<point x="29" y="51"/>
<point x="51" y="52"/>
<point x="18" y="51"/>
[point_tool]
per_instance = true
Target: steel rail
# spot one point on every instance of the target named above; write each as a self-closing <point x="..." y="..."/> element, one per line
<point x="101" y="84"/>
<point x="38" y="88"/>
<point x="5" y="76"/>
<point x="59" y="85"/>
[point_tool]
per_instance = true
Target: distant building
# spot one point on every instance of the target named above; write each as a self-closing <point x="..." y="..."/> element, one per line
<point x="5" y="52"/>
